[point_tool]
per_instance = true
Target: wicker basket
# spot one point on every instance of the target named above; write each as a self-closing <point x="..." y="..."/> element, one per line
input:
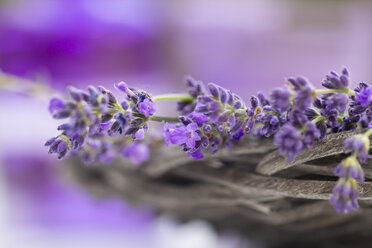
<point x="249" y="188"/>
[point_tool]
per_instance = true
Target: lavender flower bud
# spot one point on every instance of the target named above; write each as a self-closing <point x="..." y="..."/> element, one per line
<point x="254" y="102"/>
<point x="76" y="94"/>
<point x="207" y="128"/>
<point x="125" y="105"/>
<point x="358" y="144"/>
<point x="56" y="104"/>
<point x="213" y="90"/>
<point x="280" y="99"/>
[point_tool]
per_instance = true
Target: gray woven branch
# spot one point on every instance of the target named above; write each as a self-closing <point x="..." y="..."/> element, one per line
<point x="236" y="188"/>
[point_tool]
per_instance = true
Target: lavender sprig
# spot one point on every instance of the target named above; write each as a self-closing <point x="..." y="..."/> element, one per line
<point x="349" y="171"/>
<point x="97" y="122"/>
<point x="100" y="127"/>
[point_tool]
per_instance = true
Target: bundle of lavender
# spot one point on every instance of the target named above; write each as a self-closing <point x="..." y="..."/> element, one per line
<point x="100" y="127"/>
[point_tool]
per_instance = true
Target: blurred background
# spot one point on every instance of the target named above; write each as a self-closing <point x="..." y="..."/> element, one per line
<point x="245" y="45"/>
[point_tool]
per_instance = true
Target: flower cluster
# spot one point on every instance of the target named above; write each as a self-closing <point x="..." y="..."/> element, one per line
<point x="211" y="117"/>
<point x="99" y="127"/>
<point x="217" y="119"/>
<point x="349" y="171"/>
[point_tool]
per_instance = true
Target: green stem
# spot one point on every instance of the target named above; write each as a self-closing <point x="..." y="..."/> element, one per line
<point x="346" y="91"/>
<point x="163" y="118"/>
<point x="368" y="133"/>
<point x="180" y="97"/>
<point x="317" y="119"/>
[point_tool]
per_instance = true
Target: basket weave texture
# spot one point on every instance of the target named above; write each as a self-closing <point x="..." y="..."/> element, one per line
<point x="249" y="188"/>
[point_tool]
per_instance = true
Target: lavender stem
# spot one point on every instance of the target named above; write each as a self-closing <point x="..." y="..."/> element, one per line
<point x="180" y="97"/>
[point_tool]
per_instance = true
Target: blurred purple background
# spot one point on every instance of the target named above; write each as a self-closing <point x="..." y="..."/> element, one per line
<point x="243" y="45"/>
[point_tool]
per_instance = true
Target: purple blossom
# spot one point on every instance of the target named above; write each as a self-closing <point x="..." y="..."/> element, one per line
<point x="280" y="99"/>
<point x="350" y="167"/>
<point x="297" y="118"/>
<point x="56" y="104"/>
<point x="186" y="136"/>
<point x="199" y="118"/>
<point x="138" y="152"/>
<point x="219" y="114"/>
<point x="95" y="113"/>
<point x="59" y="145"/>
<point x="335" y="81"/>
<point x="334" y="101"/>
<point x="262" y="99"/>
<point x="345" y="194"/>
<point x="310" y="134"/>
<point x="196" y="155"/>
<point x="124" y="88"/>
<point x="140" y="134"/>
<point x="147" y="107"/>
<point x="195" y="89"/>
<point x="238" y="135"/>
<point x="322" y="127"/>
<point x="191" y="135"/>
<point x="167" y="133"/>
<point x="289" y="141"/>
<point x="363" y="94"/>
<point x="270" y="124"/>
<point x="358" y="145"/>
<point x="76" y="94"/>
<point x="177" y="135"/>
<point x="207" y="105"/>
<point x="304" y="92"/>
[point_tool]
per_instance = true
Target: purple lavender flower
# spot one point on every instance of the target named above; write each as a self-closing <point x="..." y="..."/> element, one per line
<point x="280" y="99"/>
<point x="335" y="81"/>
<point x="95" y="113"/>
<point x="345" y="194"/>
<point x="358" y="145"/>
<point x="167" y="133"/>
<point x="238" y="135"/>
<point x="310" y="134"/>
<point x="187" y="136"/>
<point x="218" y="115"/>
<point x="196" y="155"/>
<point x="304" y="92"/>
<point x="124" y="88"/>
<point x="207" y="105"/>
<point x="350" y="167"/>
<point x="182" y="135"/>
<point x="363" y="94"/>
<point x="138" y="152"/>
<point x="262" y="99"/>
<point x="270" y="123"/>
<point x="59" y="145"/>
<point x="263" y="120"/>
<point x="199" y="118"/>
<point x="177" y="135"/>
<point x="76" y="94"/>
<point x="195" y="89"/>
<point x="297" y="118"/>
<point x="56" y="104"/>
<point x="147" y="107"/>
<point x="192" y="136"/>
<point x="322" y="127"/>
<point x="289" y="141"/>
<point x="334" y="101"/>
